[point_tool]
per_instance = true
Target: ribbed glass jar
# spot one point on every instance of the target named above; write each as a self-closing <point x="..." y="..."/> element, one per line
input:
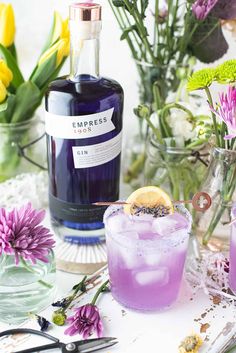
<point x="179" y="171"/>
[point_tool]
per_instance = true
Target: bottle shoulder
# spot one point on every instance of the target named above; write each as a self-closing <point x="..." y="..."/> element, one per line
<point x="80" y="87"/>
<point x="67" y="97"/>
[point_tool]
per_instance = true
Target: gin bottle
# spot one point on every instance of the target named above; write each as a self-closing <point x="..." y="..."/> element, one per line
<point x="84" y="126"/>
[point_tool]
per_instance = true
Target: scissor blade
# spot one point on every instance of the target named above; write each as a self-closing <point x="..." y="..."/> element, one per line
<point x="93" y="345"/>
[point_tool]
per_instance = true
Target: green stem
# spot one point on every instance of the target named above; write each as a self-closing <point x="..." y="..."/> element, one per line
<point x="30" y="269"/>
<point x="135" y="168"/>
<point x="99" y="291"/>
<point x="72" y="297"/>
<point x="177" y="106"/>
<point x="154" y="129"/>
<point x="141" y="28"/>
<point x="213" y="116"/>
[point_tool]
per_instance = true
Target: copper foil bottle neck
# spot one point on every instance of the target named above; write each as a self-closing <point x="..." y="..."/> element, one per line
<point x="85" y="12"/>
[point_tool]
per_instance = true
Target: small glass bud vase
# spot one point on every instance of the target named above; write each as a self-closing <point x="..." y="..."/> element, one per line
<point x="25" y="288"/>
<point x="232" y="253"/>
<point x="22" y="148"/>
<point x="212" y="226"/>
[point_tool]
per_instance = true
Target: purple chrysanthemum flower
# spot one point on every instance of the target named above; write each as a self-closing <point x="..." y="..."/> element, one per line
<point x="223" y="9"/>
<point x="86" y="321"/>
<point x="201" y="8"/>
<point x="227" y="111"/>
<point x="21" y="234"/>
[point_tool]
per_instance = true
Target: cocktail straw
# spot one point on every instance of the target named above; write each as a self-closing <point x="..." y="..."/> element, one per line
<point x="201" y="201"/>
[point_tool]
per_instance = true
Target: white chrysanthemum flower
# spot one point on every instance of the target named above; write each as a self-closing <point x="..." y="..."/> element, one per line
<point x="180" y="124"/>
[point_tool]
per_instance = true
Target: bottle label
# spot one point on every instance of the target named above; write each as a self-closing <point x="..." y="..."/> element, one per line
<point x="100" y="153"/>
<point x="79" y="126"/>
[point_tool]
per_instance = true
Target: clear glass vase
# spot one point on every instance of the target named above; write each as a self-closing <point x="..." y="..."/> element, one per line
<point x="167" y="78"/>
<point x="220" y="184"/>
<point x="25" y="288"/>
<point x="22" y="148"/>
<point x="179" y="171"/>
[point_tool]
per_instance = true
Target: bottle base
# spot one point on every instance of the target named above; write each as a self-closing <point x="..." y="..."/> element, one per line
<point x="79" y="233"/>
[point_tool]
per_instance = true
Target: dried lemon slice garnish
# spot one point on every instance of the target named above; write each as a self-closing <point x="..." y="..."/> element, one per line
<point x="151" y="200"/>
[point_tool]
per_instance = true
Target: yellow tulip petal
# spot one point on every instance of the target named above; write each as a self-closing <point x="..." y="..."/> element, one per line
<point x="6" y="75"/>
<point x="3" y="92"/>
<point x="61" y="47"/>
<point x="7" y="25"/>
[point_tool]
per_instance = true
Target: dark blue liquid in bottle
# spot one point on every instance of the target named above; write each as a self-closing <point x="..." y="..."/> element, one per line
<point x="84" y="127"/>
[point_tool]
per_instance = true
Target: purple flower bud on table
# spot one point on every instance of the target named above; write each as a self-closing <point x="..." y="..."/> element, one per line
<point x="85" y="321"/>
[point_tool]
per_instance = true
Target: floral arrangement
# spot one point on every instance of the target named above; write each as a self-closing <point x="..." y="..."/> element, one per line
<point x="22" y="236"/>
<point x="165" y="39"/>
<point x="164" y="35"/>
<point x="19" y="98"/>
<point x="20" y="142"/>
<point x="223" y="132"/>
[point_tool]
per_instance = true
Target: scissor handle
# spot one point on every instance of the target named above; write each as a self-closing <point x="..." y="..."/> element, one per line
<point x="56" y="341"/>
<point x="28" y="330"/>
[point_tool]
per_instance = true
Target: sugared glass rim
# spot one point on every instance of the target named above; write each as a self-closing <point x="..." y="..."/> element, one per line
<point x="163" y="242"/>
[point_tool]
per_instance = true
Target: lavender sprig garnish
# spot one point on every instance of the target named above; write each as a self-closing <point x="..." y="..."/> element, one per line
<point x="59" y="316"/>
<point x="158" y="211"/>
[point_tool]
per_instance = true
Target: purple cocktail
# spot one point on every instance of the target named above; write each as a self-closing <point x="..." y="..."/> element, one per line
<point x="232" y="255"/>
<point x="146" y="256"/>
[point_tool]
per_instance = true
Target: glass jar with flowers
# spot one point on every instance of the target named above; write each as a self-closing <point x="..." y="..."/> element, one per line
<point x="27" y="268"/>
<point x="177" y="152"/>
<point x="21" y="131"/>
<point x="220" y="181"/>
<point x="165" y="39"/>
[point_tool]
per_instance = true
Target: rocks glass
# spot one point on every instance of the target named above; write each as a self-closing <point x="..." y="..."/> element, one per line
<point x="146" y="256"/>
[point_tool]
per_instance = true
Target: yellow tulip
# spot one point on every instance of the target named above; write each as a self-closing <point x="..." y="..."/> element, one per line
<point x="61" y="28"/>
<point x="7" y="25"/>
<point x="61" y="47"/>
<point x="6" y="75"/>
<point x="3" y="92"/>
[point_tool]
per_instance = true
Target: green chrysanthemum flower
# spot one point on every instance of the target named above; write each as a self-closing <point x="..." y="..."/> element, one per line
<point x="201" y="79"/>
<point x="59" y="317"/>
<point x="226" y="72"/>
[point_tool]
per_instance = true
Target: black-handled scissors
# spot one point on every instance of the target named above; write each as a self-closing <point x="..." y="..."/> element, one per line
<point x="82" y="346"/>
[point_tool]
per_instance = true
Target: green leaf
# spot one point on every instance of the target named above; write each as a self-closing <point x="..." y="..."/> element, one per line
<point x="27" y="99"/>
<point x="127" y="30"/>
<point x="118" y="3"/>
<point x="5" y="115"/>
<point x="144" y="5"/>
<point x="50" y="36"/>
<point x="41" y="75"/>
<point x="3" y="106"/>
<point x="12" y="50"/>
<point x="18" y="78"/>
